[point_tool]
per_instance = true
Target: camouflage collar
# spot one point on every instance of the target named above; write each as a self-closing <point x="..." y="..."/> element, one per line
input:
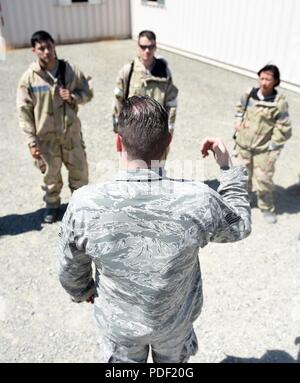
<point x="36" y="67"/>
<point x="270" y="98"/>
<point x="141" y="175"/>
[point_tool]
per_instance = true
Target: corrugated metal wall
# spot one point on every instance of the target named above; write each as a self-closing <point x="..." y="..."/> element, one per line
<point x="241" y="33"/>
<point x="66" y="23"/>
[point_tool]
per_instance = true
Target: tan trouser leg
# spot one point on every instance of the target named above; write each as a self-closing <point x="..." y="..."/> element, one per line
<point x="245" y="158"/>
<point x="264" y="168"/>
<point x="74" y="158"/>
<point x="53" y="183"/>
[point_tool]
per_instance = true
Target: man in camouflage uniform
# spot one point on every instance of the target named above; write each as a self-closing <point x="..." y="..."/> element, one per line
<point x="146" y="75"/>
<point x="143" y="232"/>
<point x="263" y="127"/>
<point x="47" y="101"/>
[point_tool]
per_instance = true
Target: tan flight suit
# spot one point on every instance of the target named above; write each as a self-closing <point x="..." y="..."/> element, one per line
<point x="53" y="126"/>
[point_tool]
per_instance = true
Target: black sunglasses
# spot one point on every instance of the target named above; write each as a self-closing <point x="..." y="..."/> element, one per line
<point x="150" y="47"/>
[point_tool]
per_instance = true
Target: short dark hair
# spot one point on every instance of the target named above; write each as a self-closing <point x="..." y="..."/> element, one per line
<point x="143" y="126"/>
<point x="274" y="70"/>
<point x="41" y="36"/>
<point x="149" y="34"/>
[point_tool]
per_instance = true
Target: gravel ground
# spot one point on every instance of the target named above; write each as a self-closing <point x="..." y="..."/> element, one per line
<point x="251" y="307"/>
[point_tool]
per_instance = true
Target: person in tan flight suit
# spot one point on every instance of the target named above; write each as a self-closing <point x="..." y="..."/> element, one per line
<point x="146" y="75"/>
<point x="47" y="102"/>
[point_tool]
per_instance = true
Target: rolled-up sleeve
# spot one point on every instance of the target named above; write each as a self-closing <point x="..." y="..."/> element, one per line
<point x="230" y="208"/>
<point x="74" y="265"/>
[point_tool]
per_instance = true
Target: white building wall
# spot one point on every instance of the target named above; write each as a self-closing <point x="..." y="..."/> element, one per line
<point x="98" y="19"/>
<point x="242" y="35"/>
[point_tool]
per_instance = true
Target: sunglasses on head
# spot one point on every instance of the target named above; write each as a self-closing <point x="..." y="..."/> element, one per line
<point x="150" y="47"/>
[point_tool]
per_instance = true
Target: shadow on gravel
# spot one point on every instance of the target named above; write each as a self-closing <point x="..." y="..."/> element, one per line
<point x="271" y="356"/>
<point x="15" y="224"/>
<point x="287" y="200"/>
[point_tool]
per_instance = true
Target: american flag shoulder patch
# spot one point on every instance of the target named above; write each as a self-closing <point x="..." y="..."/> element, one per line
<point x="231" y="218"/>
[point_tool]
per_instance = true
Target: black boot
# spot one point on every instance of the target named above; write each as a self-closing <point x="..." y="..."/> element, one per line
<point x="50" y="215"/>
<point x="253" y="199"/>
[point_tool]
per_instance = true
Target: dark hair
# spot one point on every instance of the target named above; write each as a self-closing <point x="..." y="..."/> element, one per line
<point x="143" y="126"/>
<point x="149" y="34"/>
<point x="40" y="36"/>
<point x="274" y="70"/>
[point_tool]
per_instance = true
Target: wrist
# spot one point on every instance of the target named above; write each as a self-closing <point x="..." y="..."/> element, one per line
<point x="225" y="163"/>
<point x="225" y="167"/>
